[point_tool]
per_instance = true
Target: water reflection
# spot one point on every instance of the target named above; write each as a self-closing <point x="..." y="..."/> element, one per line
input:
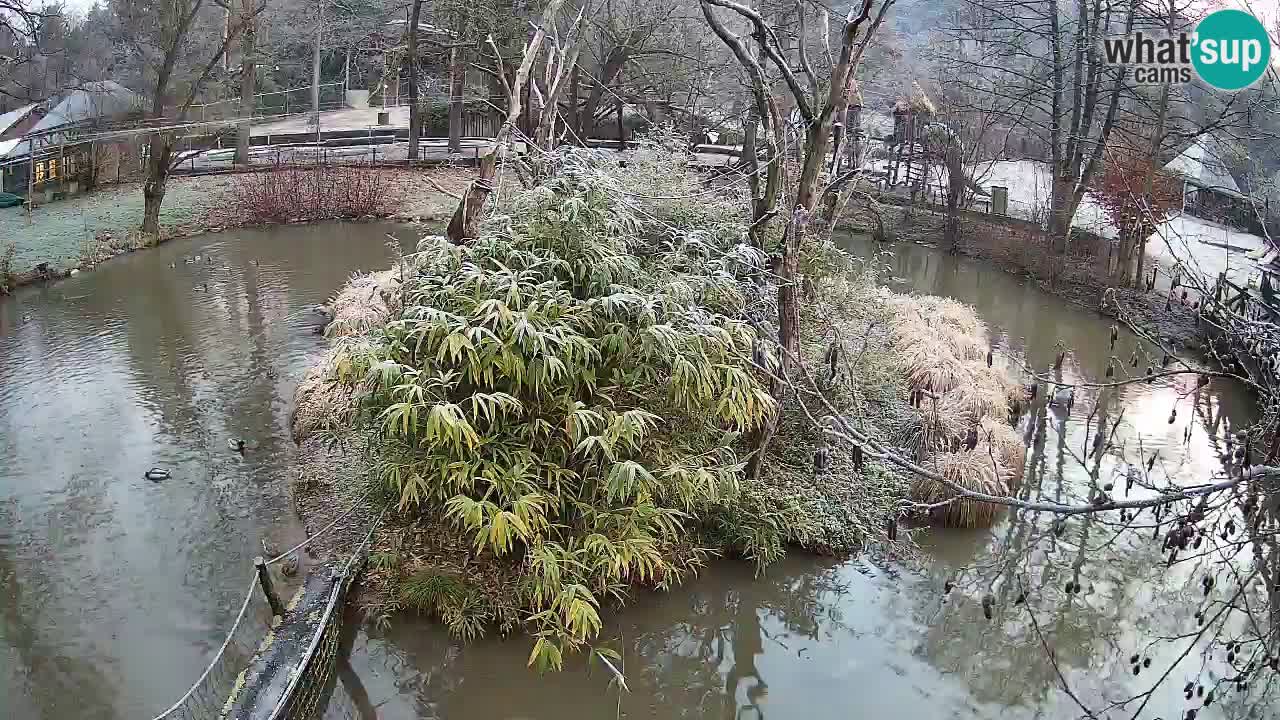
<point x="818" y="639"/>
<point x="114" y="590"/>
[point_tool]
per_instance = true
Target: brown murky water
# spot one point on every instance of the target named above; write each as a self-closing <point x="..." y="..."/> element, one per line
<point x="817" y="638"/>
<point x="115" y="590"/>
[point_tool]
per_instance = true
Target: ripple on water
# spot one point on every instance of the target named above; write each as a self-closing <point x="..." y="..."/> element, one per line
<point x="116" y="587"/>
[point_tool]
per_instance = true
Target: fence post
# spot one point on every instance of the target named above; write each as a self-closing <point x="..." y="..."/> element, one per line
<point x="264" y="581"/>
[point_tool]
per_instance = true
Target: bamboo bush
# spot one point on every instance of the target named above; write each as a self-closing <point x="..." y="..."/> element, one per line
<point x="571" y="406"/>
<point x="561" y="409"/>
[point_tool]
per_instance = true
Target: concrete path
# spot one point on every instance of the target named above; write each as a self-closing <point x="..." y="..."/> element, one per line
<point x="333" y="120"/>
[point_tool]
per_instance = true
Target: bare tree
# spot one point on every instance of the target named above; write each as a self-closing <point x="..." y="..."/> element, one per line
<point x="411" y="59"/>
<point x="818" y="103"/>
<point x="1038" y="56"/>
<point x="248" y="78"/>
<point x="462" y="226"/>
<point x="185" y="41"/>
<point x="562" y="56"/>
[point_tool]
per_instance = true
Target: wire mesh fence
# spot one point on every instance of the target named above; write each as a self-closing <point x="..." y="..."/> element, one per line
<point x="312" y="685"/>
<point x="281" y="102"/>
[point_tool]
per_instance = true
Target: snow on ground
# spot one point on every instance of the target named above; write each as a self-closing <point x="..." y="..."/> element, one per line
<point x="1211" y="248"/>
<point x="1029" y="184"/>
<point x="1200" y="244"/>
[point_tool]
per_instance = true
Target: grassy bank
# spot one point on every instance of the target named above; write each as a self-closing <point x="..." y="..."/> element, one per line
<point x="88" y="229"/>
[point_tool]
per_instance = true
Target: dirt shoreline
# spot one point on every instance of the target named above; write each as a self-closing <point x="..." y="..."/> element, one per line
<point x="1175" y="325"/>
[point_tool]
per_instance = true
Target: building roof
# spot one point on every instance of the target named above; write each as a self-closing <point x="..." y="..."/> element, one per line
<point x="105" y="98"/>
<point x="11" y="118"/>
<point x="1201" y="166"/>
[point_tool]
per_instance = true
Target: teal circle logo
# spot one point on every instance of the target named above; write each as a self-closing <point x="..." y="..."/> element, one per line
<point x="1231" y="49"/>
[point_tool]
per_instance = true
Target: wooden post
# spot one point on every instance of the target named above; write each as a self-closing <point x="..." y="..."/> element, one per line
<point x="574" y="121"/>
<point x="264" y="581"/>
<point x="31" y="173"/>
<point x="622" y="128"/>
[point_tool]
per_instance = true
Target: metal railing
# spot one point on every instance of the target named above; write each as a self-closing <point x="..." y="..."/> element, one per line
<point x="291" y="101"/>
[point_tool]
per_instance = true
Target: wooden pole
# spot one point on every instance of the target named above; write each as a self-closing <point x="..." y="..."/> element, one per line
<point x="264" y="581"/>
<point x="31" y="174"/>
<point x="622" y="138"/>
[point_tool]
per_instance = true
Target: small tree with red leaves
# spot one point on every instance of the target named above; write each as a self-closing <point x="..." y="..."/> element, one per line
<point x="1137" y="196"/>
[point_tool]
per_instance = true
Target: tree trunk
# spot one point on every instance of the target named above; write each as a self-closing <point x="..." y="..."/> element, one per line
<point x="411" y="57"/>
<point x="575" y="120"/>
<point x="315" y="70"/>
<point x="1125" y="246"/>
<point x="853" y="128"/>
<point x="1153" y="150"/>
<point x="788" y="329"/>
<point x="248" y="83"/>
<point x="615" y="60"/>
<point x="457" y="82"/>
<point x="462" y="226"/>
<point x="951" y="226"/>
<point x="957" y="182"/>
<point x="159" y="150"/>
<point x="1140" y="249"/>
<point x="1060" y="213"/>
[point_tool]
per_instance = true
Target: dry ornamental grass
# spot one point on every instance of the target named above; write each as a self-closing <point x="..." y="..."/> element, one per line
<point x="943" y="347"/>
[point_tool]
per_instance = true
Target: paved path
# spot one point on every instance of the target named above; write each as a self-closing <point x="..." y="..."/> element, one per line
<point x="432" y="150"/>
<point x="334" y="120"/>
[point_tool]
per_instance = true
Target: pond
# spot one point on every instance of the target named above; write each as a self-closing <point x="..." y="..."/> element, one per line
<point x="114" y="590"/>
<point x="820" y="638"/>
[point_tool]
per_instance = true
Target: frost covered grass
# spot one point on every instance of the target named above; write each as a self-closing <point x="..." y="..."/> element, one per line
<point x="58" y="232"/>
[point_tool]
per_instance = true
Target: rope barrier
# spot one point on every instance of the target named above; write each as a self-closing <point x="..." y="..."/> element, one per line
<point x="322" y="531"/>
<point x="253" y="586"/>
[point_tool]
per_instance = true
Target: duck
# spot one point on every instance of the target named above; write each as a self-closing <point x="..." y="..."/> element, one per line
<point x="236" y="444"/>
<point x="173" y="266"/>
<point x="26" y="318"/>
<point x="322" y="316"/>
<point x="156" y="474"/>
